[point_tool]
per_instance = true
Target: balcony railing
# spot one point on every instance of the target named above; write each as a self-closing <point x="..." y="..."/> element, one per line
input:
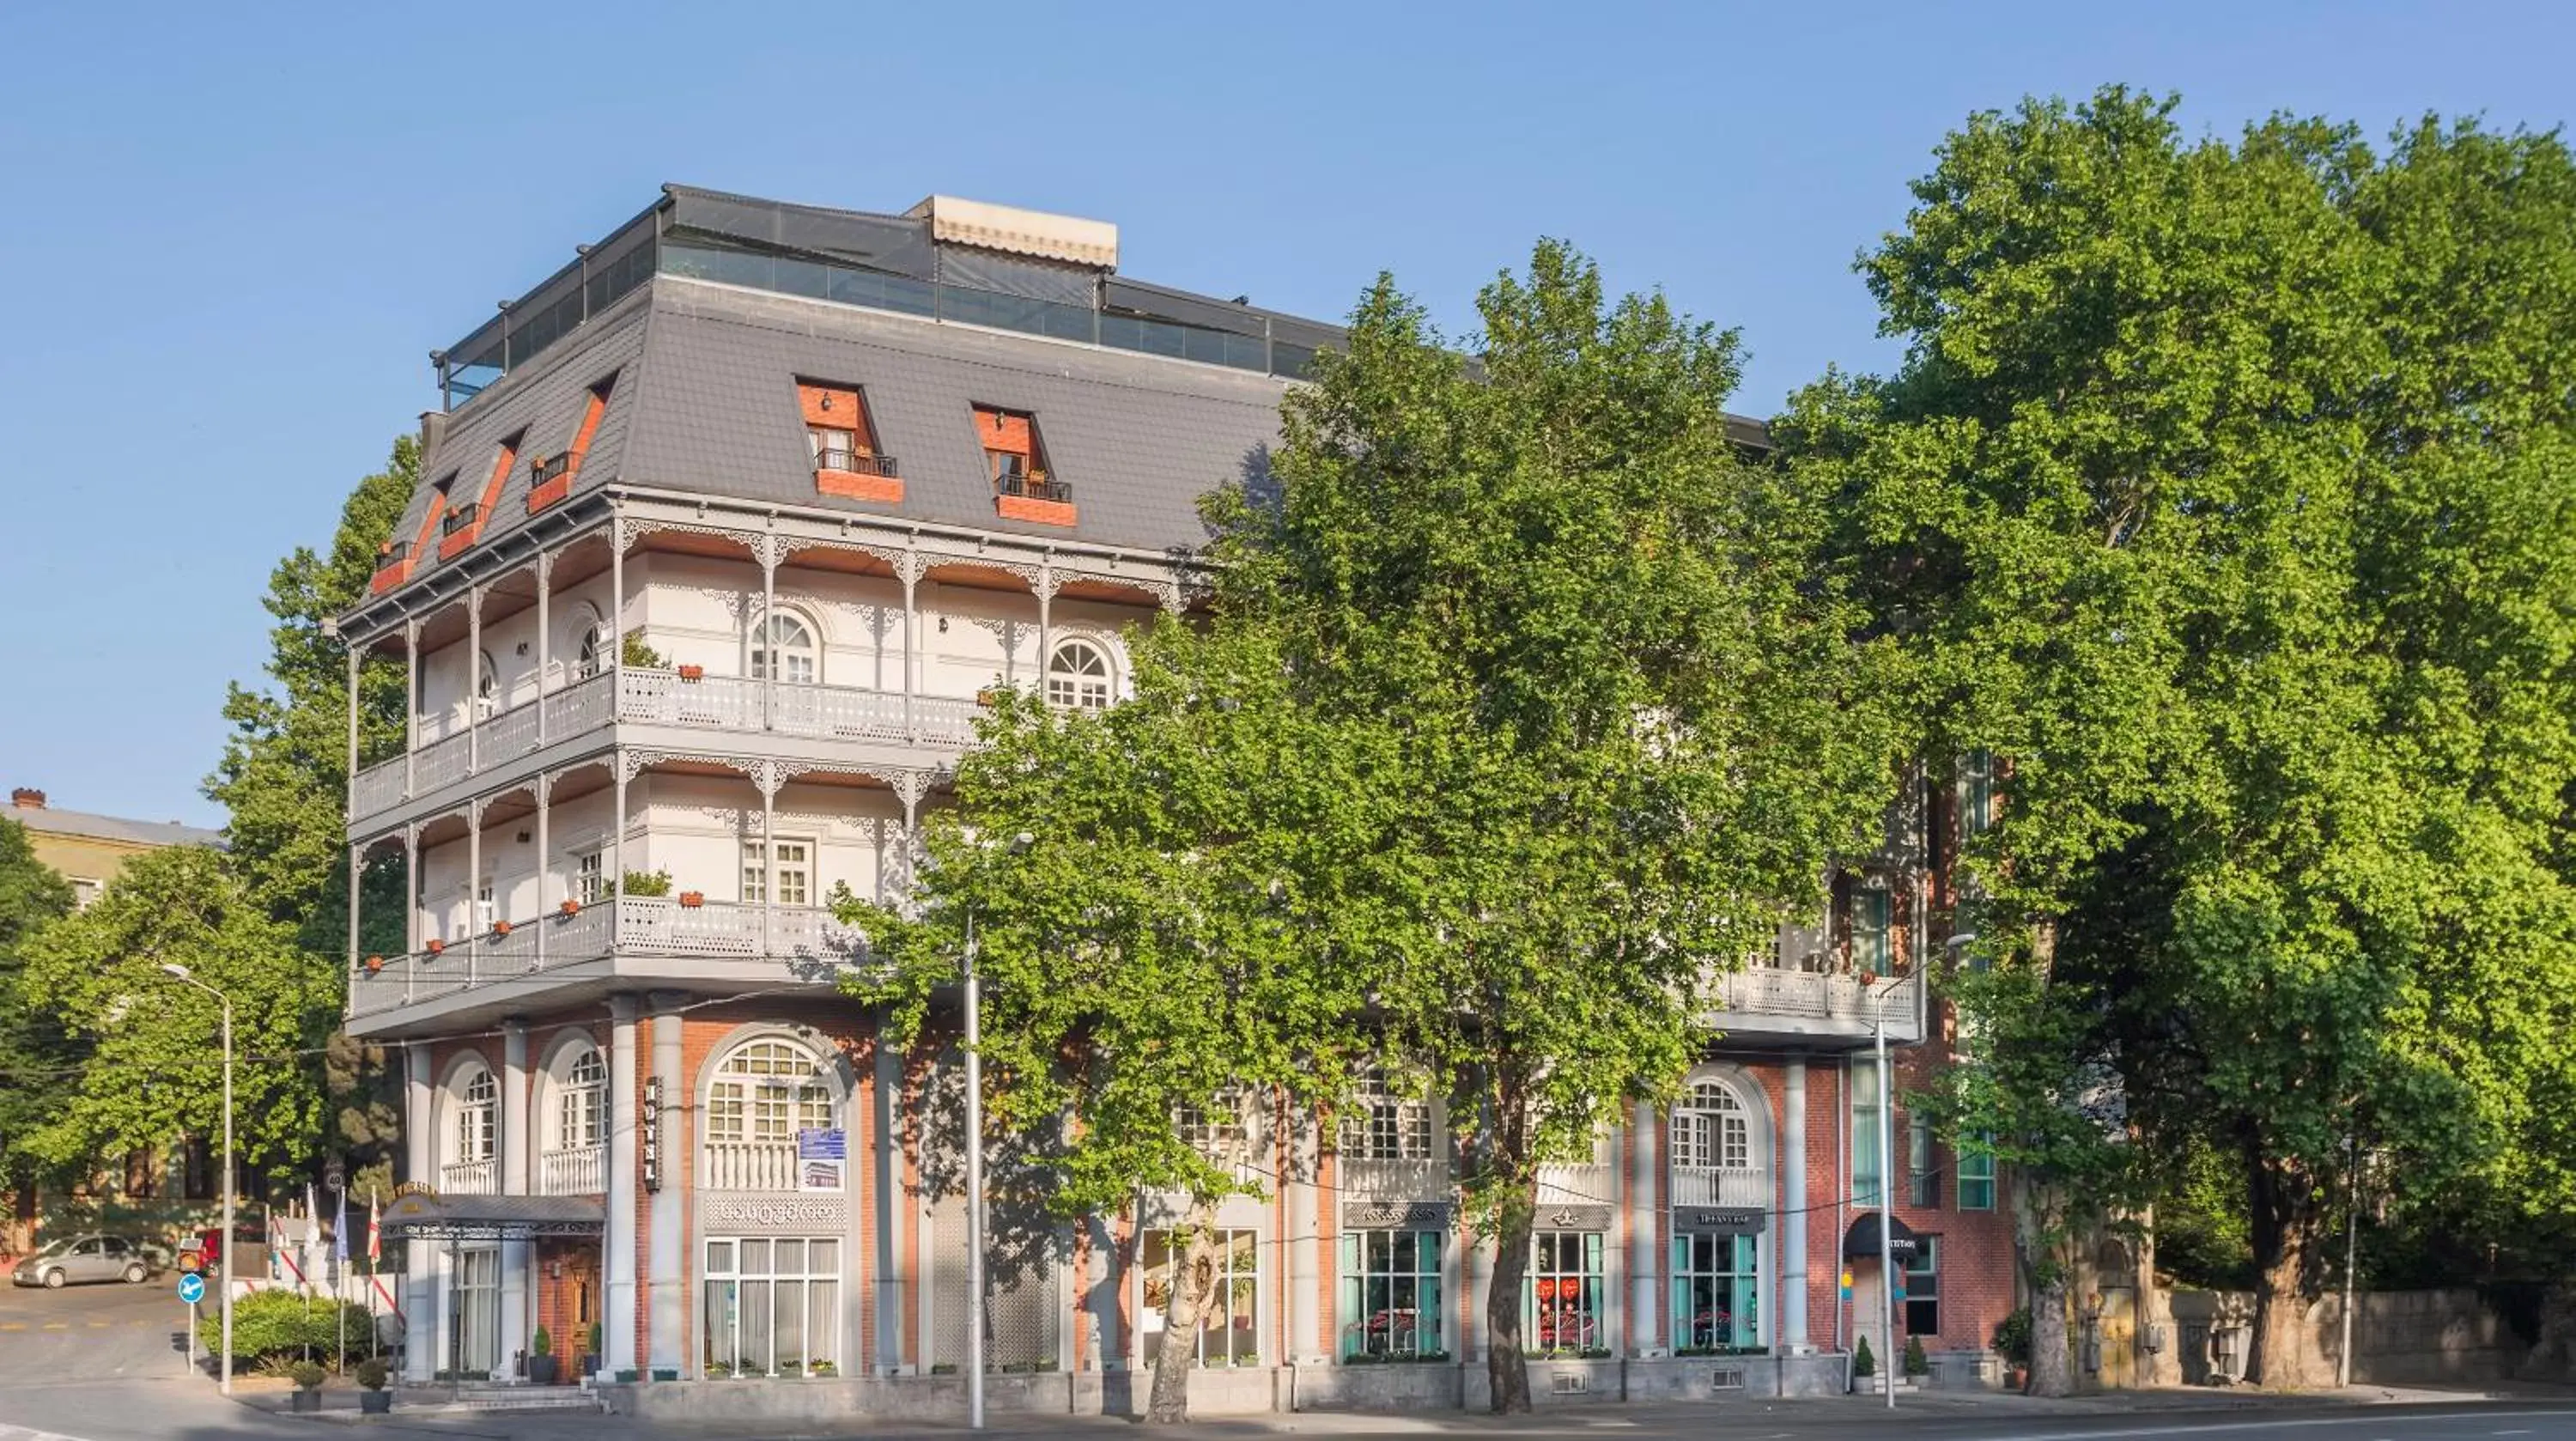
<point x="1420" y="1179"/>
<point x="469" y="1178"/>
<point x="1721" y="1186"/>
<point x="664" y="697"/>
<point x="1032" y="485"/>
<point x="807" y="942"/>
<point x="581" y="1171"/>
<point x="853" y="461"/>
<point x="550" y="468"/>
<point x="1591" y="1184"/>
<point x="1857" y="1000"/>
<point x="462" y="517"/>
<point x="749" y="1166"/>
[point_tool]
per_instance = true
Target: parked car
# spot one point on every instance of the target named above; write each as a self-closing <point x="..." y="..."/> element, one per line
<point x="84" y="1258"/>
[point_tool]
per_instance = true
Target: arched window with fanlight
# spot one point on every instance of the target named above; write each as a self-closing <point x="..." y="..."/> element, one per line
<point x="473" y="1128"/>
<point x="1721" y="1186"/>
<point x="487" y="686"/>
<point x="1710" y="1130"/>
<point x="782" y="648"/>
<point x="1078" y="676"/>
<point x="763" y="1095"/>
<point x="581" y="1105"/>
<point x="590" y="649"/>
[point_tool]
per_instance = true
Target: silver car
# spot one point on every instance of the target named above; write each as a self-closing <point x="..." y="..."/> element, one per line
<point x="84" y="1258"/>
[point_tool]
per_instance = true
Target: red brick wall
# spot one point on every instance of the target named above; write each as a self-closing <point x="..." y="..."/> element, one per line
<point x="1001" y="431"/>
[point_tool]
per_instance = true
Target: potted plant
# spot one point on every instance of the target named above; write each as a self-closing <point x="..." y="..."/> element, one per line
<point x="2012" y="1342"/>
<point x="375" y="964"/>
<point x="570" y="907"/>
<point x="823" y="1368"/>
<point x="308" y="1386"/>
<point x="590" y="1355"/>
<point x="373" y="1398"/>
<point x="543" y="1368"/>
<point x="1916" y="1363"/>
<point x="693" y="899"/>
<point x="693" y="672"/>
<point x="437" y="946"/>
<point x="500" y="928"/>
<point x="1864" y="1362"/>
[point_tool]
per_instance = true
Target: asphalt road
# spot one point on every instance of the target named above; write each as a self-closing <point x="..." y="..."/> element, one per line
<point x="102" y="1332"/>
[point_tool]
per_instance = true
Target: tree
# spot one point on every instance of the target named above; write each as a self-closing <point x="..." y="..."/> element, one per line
<point x="154" y="1064"/>
<point x="2226" y="491"/>
<point x="284" y="776"/>
<point x="1154" y="959"/>
<point x="37" y="1057"/>
<point x="1616" y="726"/>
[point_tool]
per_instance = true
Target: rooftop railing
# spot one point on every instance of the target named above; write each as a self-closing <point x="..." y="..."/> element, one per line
<point x="1032" y="485"/>
<point x="854" y="462"/>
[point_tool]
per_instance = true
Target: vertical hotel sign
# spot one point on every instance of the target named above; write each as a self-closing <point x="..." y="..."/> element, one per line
<point x="652" y="1133"/>
<point x="822" y="1159"/>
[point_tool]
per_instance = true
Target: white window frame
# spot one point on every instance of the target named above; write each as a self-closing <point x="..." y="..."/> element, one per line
<point x="804" y="656"/>
<point x="473" y="1139"/>
<point x="1384" y="1126"/>
<point x="1711" y="1130"/>
<point x="1240" y="1275"/>
<point x="590" y="876"/>
<point x="729" y="1271"/>
<point x="755" y="876"/>
<point x="1591" y="1302"/>
<point x="750" y="1101"/>
<point x="1868" y="1112"/>
<point x="1073" y="685"/>
<point x="581" y="1103"/>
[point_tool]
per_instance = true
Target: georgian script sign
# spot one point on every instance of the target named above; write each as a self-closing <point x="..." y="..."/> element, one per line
<point x="1396" y="1215"/>
<point x="719" y="1212"/>
<point x="1723" y="1220"/>
<point x="1574" y="1218"/>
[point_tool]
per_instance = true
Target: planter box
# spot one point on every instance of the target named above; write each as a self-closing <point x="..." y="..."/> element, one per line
<point x="375" y="1403"/>
<point x="304" y="1400"/>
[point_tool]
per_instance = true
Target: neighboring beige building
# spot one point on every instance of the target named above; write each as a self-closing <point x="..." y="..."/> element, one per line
<point x="91" y="850"/>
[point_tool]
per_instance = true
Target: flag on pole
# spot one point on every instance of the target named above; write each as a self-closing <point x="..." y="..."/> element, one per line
<point x="340" y="1233"/>
<point x="269" y="1227"/>
<point x="375" y="1232"/>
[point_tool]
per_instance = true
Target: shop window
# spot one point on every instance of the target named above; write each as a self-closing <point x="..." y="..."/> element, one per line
<point x="1229" y="1325"/>
<point x="773" y="1306"/>
<point x="1390" y="1294"/>
<point x="1716" y="1291"/>
<point x="1561" y="1301"/>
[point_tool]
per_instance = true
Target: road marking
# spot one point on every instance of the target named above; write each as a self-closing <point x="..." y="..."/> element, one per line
<point x="2284" y="1425"/>
<point x="58" y="1325"/>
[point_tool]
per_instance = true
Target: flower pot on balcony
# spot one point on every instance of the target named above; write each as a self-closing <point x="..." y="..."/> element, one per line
<point x="693" y="672"/>
<point x="437" y="947"/>
<point x="375" y="964"/>
<point x="570" y="908"/>
<point x="500" y="928"/>
<point x="693" y="899"/>
<point x="987" y="697"/>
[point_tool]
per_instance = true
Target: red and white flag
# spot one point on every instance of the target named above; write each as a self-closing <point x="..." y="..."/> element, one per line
<point x="375" y="1237"/>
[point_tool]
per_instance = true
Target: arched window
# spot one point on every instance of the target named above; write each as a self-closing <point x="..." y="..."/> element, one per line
<point x="590" y="654"/>
<point x="1216" y="1129"/>
<point x="1710" y="1130"/>
<point x="766" y="1092"/>
<point x="487" y="685"/>
<point x="1078" y="677"/>
<point x="786" y="636"/>
<point x="581" y="1104"/>
<point x="477" y="1106"/>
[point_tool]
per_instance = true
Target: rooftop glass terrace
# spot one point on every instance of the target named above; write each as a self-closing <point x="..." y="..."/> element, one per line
<point x="881" y="262"/>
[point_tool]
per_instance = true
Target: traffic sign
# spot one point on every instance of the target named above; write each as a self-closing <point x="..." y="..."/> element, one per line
<point x="190" y="1263"/>
<point x="192" y="1289"/>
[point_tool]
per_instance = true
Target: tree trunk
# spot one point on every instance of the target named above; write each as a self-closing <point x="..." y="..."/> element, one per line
<point x="1169" y="1401"/>
<point x="2036" y="1221"/>
<point x="1506" y="1369"/>
<point x="2285" y="1211"/>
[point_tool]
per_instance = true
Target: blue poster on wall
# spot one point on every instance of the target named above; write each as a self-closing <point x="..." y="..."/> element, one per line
<point x="822" y="1159"/>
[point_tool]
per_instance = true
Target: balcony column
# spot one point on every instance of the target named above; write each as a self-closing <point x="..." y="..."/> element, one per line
<point x="411" y="907"/>
<point x="618" y="1265"/>
<point x="1792" y="1166"/>
<point x="893" y="1274"/>
<point x="474" y="679"/>
<point x="1046" y="621"/>
<point x="545" y="658"/>
<point x="515" y="1140"/>
<point x="760" y="637"/>
<point x="474" y="888"/>
<point x="667" y="1275"/>
<point x="625" y="764"/>
<point x="419" y="1281"/>
<point x="545" y="785"/>
<point x="911" y="576"/>
<point x="411" y="706"/>
<point x="617" y="613"/>
<point x="1644" y="1238"/>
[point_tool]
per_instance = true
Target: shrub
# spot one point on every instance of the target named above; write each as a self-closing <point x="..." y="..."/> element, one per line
<point x="373" y="1374"/>
<point x="307" y="1374"/>
<point x="2012" y="1337"/>
<point x="542" y="1343"/>
<point x="1916" y="1363"/>
<point x="1863" y="1362"/>
<point x="272" y="1323"/>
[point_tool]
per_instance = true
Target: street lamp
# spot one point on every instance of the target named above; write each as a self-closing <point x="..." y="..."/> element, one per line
<point x="224" y="1364"/>
<point x="975" y="1306"/>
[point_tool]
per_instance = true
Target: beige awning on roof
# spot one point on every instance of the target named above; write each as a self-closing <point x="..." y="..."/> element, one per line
<point x="1022" y="232"/>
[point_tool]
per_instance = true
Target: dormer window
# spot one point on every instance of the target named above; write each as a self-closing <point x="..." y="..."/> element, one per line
<point x="460" y="519"/>
<point x="550" y="479"/>
<point x="843" y="445"/>
<point x="1024" y="487"/>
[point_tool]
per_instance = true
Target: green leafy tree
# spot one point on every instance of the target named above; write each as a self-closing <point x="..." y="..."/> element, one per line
<point x="1155" y="960"/>
<point x="155" y="1064"/>
<point x="38" y="1058"/>
<point x="283" y="783"/>
<point x="2226" y="490"/>
<point x="1616" y="724"/>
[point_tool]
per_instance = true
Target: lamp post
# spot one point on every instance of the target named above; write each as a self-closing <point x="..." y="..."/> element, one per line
<point x="975" y="1305"/>
<point x="224" y="1363"/>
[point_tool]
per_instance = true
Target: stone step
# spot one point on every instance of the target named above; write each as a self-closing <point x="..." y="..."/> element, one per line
<point x="519" y="1398"/>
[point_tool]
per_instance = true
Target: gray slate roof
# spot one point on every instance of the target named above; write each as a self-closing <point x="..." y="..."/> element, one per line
<point x="50" y="821"/>
<point x="705" y="402"/>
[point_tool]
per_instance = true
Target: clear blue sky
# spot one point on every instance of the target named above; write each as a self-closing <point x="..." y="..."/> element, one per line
<point x="230" y="234"/>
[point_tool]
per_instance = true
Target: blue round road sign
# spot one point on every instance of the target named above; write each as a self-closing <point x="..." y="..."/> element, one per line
<point x="192" y="1289"/>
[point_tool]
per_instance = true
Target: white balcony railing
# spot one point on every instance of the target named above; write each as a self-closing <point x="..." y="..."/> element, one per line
<point x="1582" y="1185"/>
<point x="1856" y="1001"/>
<point x="806" y="942"/>
<point x="1420" y="1179"/>
<point x="1721" y="1186"/>
<point x="468" y="1178"/>
<point x="749" y="1166"/>
<point x="581" y="1171"/>
<point x="663" y="697"/>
